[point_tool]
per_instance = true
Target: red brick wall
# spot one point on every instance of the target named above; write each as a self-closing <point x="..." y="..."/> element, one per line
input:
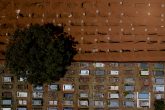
<point x="107" y="30"/>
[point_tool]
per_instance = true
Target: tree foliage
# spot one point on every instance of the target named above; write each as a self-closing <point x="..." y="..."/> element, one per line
<point x="159" y="105"/>
<point x="41" y="53"/>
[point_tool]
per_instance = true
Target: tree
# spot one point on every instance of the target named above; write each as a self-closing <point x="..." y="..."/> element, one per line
<point x="40" y="53"/>
<point x="159" y="105"/>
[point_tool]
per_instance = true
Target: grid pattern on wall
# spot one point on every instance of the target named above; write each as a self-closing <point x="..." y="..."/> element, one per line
<point x="88" y="86"/>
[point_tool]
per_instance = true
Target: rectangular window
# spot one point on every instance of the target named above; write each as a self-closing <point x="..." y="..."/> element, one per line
<point x="68" y="87"/>
<point x="22" y="102"/>
<point x="52" y="102"/>
<point x="84" y="72"/>
<point x="37" y="102"/>
<point x="22" y="94"/>
<point x="53" y="87"/>
<point x="114" y="72"/>
<point x="7" y="79"/>
<point x="37" y="94"/>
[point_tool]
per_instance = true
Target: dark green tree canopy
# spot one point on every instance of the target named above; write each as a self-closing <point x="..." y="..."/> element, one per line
<point x="159" y="104"/>
<point x="41" y="53"/>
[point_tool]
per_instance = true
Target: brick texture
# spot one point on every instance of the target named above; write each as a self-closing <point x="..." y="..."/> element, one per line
<point x="107" y="30"/>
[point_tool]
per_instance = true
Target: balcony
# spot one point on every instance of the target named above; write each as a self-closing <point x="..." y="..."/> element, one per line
<point x="22" y="94"/>
<point x="68" y="102"/>
<point x="7" y="79"/>
<point x="53" y="87"/>
<point x="7" y="102"/>
<point x="53" y="102"/>
<point x="84" y="103"/>
<point x="22" y="102"/>
<point x="37" y="94"/>
<point x="68" y="87"/>
<point x="37" y="102"/>
<point x="6" y="94"/>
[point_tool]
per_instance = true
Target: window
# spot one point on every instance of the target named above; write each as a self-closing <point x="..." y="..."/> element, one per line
<point x="68" y="102"/>
<point x="53" y="87"/>
<point x="22" y="102"/>
<point x="37" y="94"/>
<point x="21" y="79"/>
<point x="129" y="88"/>
<point x="99" y="103"/>
<point x="129" y="65"/>
<point x="129" y="95"/>
<point x="52" y="108"/>
<point x="114" y="72"/>
<point x="144" y="73"/>
<point x="83" y="103"/>
<point x="158" y="66"/>
<point x="99" y="64"/>
<point x="68" y="108"/>
<point x="114" y="103"/>
<point x="37" y="102"/>
<point x="22" y="94"/>
<point x="114" y="95"/>
<point x="22" y="86"/>
<point x="114" y="87"/>
<point x="52" y="102"/>
<point x="83" y="95"/>
<point x="84" y="64"/>
<point x="144" y="103"/>
<point x="99" y="87"/>
<point x="99" y="95"/>
<point x="7" y="86"/>
<point x="68" y="87"/>
<point x="114" y="80"/>
<point x="38" y="88"/>
<point x="84" y="72"/>
<point x="129" y="103"/>
<point x="114" y="64"/>
<point x="159" y="96"/>
<point x="6" y="102"/>
<point x="159" y="81"/>
<point x="159" y="73"/>
<point x="143" y="95"/>
<point x="37" y="108"/>
<point x="158" y="88"/>
<point x="53" y="95"/>
<point x="100" y="72"/>
<point x="129" y="80"/>
<point x="20" y="108"/>
<point x="144" y="66"/>
<point x="6" y="94"/>
<point x="7" y="79"/>
<point x="68" y="95"/>
<point x="6" y="108"/>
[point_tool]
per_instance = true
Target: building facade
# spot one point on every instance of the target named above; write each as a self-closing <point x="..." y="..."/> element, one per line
<point x="89" y="86"/>
<point x="109" y="34"/>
